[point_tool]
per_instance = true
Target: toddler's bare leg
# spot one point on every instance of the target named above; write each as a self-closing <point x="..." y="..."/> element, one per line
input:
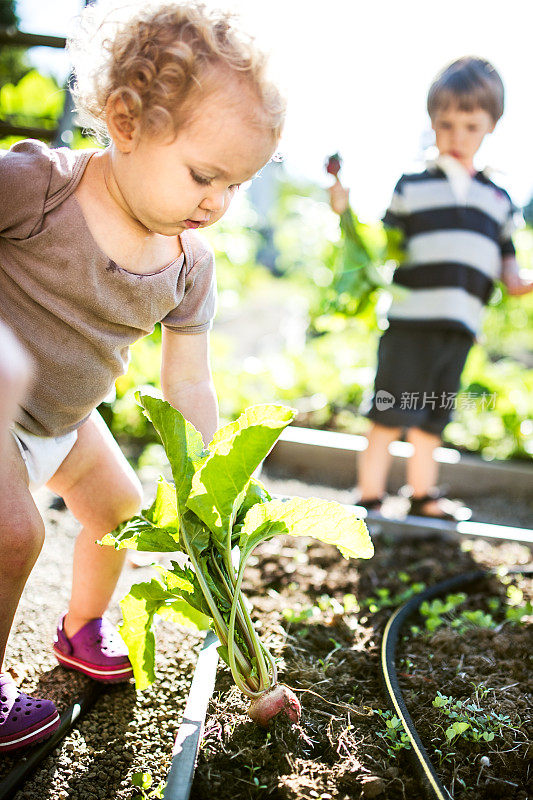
<point x="422" y="469"/>
<point x="374" y="462"/>
<point x="21" y="527"/>
<point x="101" y="489"/>
<point x="21" y="534"/>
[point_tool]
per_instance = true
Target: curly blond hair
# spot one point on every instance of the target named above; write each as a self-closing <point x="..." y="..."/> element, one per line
<point x="160" y="58"/>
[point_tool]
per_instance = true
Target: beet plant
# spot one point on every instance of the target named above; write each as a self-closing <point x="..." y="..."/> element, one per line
<point x="215" y="514"/>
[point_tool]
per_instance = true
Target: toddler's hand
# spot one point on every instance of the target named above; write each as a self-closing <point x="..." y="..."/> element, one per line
<point x="339" y="197"/>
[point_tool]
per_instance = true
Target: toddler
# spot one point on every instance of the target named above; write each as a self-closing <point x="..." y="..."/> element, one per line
<point x="96" y="247"/>
<point x="450" y="228"/>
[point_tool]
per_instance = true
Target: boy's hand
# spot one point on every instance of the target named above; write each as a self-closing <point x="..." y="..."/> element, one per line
<point x="339" y="197"/>
<point x="514" y="284"/>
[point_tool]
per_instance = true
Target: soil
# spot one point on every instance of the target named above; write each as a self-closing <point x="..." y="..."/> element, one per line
<point x="317" y="616"/>
<point x="331" y="659"/>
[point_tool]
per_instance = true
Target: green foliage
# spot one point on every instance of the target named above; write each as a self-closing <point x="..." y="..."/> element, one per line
<point x="144" y="782"/>
<point x="30" y="98"/>
<point x="215" y="515"/>
<point x="516" y="610"/>
<point x="325" y="605"/>
<point x="13" y="60"/>
<point x="495" y="408"/>
<point x="445" y="612"/>
<point x="438" y="611"/>
<point x="326" y="375"/>
<point x="393" y="733"/>
<point x="326" y="383"/>
<point x="14" y="65"/>
<point x="356" y="276"/>
<point x="34" y="97"/>
<point x="469" y="720"/>
<point x="8" y="14"/>
<point x="386" y="599"/>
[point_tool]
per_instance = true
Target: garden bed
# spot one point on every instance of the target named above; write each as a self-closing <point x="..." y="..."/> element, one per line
<point x="299" y="590"/>
<point x="331" y="659"/>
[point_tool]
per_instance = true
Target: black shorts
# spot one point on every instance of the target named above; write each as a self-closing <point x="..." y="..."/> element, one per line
<point x="418" y="377"/>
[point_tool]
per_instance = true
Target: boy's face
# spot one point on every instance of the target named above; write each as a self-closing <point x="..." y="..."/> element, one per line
<point x="190" y="182"/>
<point x="460" y="133"/>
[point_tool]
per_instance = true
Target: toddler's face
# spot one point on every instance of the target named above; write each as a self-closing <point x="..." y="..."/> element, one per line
<point x="460" y="133"/>
<point x="190" y="182"/>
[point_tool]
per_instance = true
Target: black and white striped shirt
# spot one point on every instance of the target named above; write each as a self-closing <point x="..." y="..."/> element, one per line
<point x="456" y="230"/>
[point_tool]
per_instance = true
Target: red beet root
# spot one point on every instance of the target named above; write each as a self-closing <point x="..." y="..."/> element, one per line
<point x="333" y="164"/>
<point x="279" y="700"/>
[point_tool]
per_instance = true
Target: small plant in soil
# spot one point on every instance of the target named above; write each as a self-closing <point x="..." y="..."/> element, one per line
<point x="214" y="516"/>
<point x="387" y="599"/>
<point x="469" y="720"/>
<point x="438" y="612"/>
<point x="144" y="782"/>
<point x="445" y="612"/>
<point x="393" y="733"/>
<point x="516" y="609"/>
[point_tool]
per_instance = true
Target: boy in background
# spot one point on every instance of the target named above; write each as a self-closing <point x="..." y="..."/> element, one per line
<point x="450" y="230"/>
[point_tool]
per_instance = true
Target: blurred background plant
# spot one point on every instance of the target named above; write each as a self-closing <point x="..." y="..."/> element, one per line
<point x="282" y="333"/>
<point x="14" y="62"/>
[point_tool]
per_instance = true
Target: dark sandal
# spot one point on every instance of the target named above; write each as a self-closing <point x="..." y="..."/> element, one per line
<point x="449" y="508"/>
<point x="372" y="504"/>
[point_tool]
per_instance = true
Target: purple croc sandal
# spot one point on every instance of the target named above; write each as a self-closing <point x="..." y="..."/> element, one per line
<point x="23" y="720"/>
<point x="97" y="650"/>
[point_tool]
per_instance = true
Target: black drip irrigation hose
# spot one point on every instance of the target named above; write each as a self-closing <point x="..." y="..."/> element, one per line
<point x="434" y="788"/>
<point x="16" y="777"/>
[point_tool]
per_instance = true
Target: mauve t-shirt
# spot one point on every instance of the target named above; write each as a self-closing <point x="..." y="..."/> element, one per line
<point x="75" y="310"/>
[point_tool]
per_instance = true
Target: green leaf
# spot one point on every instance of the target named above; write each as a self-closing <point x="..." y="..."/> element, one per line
<point x="140" y="534"/>
<point x="255" y="493"/>
<point x="456" y="729"/>
<point x="353" y="235"/>
<point x="198" y="536"/>
<point x="440" y="701"/>
<point x="182" y="585"/>
<point x="142" y="779"/>
<point x="182" y="613"/>
<point x="164" y="510"/>
<point x="182" y="442"/>
<point x="176" y="581"/>
<point x="394" y="722"/>
<point x="147" y="780"/>
<point x="154" y="530"/>
<point x="222" y="650"/>
<point x="326" y="521"/>
<point x="236" y="451"/>
<point x="195" y="598"/>
<point x="138" y="610"/>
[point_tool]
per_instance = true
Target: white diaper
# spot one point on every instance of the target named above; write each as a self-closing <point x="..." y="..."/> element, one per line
<point x="43" y="455"/>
